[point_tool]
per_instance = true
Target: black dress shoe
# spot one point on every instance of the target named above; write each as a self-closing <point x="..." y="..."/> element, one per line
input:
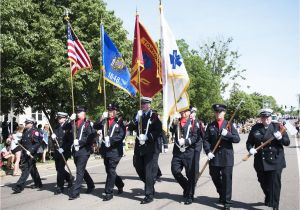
<point x="107" y="197"/>
<point x="17" y="189"/>
<point x="89" y="190"/>
<point x="228" y="202"/>
<point x="73" y="197"/>
<point x="59" y="191"/>
<point x="120" y="190"/>
<point x="147" y="199"/>
<point x="188" y="200"/>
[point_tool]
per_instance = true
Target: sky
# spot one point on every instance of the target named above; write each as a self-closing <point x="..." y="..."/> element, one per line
<point x="265" y="33"/>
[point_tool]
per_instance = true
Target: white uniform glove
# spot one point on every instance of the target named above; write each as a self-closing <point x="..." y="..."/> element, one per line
<point x="60" y="150"/>
<point x="142" y="138"/>
<point x="210" y="155"/>
<point x="277" y="135"/>
<point x="181" y="141"/>
<point x="28" y="153"/>
<point x="166" y="150"/>
<point x="73" y="116"/>
<point x="105" y="115"/>
<point x="252" y="151"/>
<point x="106" y="141"/>
<point x="76" y="142"/>
<point x="140" y="113"/>
<point x="53" y="136"/>
<point x="224" y="132"/>
<point x="177" y="116"/>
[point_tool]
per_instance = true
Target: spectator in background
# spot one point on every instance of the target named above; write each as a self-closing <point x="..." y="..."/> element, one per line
<point x="7" y="154"/>
<point x="40" y="149"/>
<point x="16" y="149"/>
<point x="46" y="133"/>
<point x="5" y="130"/>
<point x="297" y="125"/>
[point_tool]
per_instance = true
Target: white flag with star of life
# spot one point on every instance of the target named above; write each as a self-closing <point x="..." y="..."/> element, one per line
<point x="175" y="77"/>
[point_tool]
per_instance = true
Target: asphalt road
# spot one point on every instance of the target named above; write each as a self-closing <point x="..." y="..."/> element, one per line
<point x="247" y="193"/>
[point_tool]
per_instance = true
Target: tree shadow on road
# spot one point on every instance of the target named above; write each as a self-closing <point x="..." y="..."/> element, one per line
<point x="133" y="194"/>
<point x="212" y="202"/>
<point x="99" y="192"/>
<point x="161" y="179"/>
<point x="174" y="197"/>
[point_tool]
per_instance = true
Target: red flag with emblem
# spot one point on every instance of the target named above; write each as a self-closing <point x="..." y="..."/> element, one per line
<point x="145" y="57"/>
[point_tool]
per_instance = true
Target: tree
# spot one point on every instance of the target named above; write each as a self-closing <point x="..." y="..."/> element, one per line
<point x="222" y="60"/>
<point x="35" y="71"/>
<point x="204" y="89"/>
<point x="248" y="109"/>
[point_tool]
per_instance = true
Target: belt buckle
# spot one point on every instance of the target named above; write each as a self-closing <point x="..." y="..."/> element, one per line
<point x="182" y="149"/>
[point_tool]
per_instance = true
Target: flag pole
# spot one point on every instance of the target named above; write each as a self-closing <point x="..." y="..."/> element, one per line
<point x="139" y="73"/>
<point x="71" y="78"/>
<point x="139" y="80"/>
<point x="103" y="74"/>
<point x="172" y="79"/>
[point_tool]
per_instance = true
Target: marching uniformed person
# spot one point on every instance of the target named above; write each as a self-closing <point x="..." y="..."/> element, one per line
<point x="31" y="141"/>
<point x="111" y="150"/>
<point x="63" y="135"/>
<point x="148" y="128"/>
<point x="221" y="162"/>
<point x="184" y="152"/>
<point x="81" y="150"/>
<point x="269" y="161"/>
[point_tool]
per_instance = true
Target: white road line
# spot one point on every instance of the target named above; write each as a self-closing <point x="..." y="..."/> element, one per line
<point x="298" y="155"/>
<point x="298" y="158"/>
<point x="49" y="175"/>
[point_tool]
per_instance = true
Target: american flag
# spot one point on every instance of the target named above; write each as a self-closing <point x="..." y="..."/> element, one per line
<point x="76" y="53"/>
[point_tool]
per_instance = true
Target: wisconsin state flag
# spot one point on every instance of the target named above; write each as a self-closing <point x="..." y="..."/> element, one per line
<point x="146" y="58"/>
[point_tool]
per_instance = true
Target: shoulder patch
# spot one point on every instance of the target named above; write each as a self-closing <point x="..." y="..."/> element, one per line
<point x="36" y="133"/>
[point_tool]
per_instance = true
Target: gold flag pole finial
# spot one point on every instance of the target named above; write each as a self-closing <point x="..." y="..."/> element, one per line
<point x="160" y="6"/>
<point x="66" y="13"/>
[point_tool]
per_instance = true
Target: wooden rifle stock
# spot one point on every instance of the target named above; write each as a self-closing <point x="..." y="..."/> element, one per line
<point x="25" y="150"/>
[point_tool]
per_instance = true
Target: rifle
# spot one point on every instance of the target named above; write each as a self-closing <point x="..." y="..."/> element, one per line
<point x="282" y="130"/>
<point x="25" y="150"/>
<point x="220" y="138"/>
<point x="63" y="157"/>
